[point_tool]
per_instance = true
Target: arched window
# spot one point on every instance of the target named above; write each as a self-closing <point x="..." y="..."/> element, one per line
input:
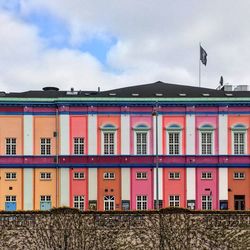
<point x="239" y="141"/>
<point x="174" y="139"/>
<point x="141" y="139"/>
<point x="206" y="139"/>
<point x="109" y="139"/>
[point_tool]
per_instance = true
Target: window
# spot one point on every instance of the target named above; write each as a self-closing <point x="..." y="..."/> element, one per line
<point x="174" y="175"/>
<point x="239" y="143"/>
<point x="78" y="145"/>
<point x="206" y="175"/>
<point x="108" y="175"/>
<point x="206" y="202"/>
<point x="239" y="175"/>
<point x="10" y="146"/>
<point x="45" y="146"/>
<point x="141" y="202"/>
<point x="174" y="200"/>
<point x="79" y="202"/>
<point x="141" y="175"/>
<point x="45" y="202"/>
<point x="109" y="203"/>
<point x="10" y="176"/>
<point x="206" y="140"/>
<point x="109" y="143"/>
<point x="45" y="175"/>
<point x="173" y="143"/>
<point x="141" y="143"/>
<point x="10" y="198"/>
<point x="45" y="198"/>
<point x="79" y="175"/>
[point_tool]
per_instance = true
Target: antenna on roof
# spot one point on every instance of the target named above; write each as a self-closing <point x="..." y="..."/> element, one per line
<point x="99" y="89"/>
<point x="221" y="81"/>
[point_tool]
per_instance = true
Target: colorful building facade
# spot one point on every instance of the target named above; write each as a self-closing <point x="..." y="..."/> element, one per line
<point x="99" y="150"/>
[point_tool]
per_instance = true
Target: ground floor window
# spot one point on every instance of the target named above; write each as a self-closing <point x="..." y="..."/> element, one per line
<point x="10" y="202"/>
<point x="109" y="203"/>
<point x="239" y="202"/>
<point x="206" y="202"/>
<point x="45" y="202"/>
<point x="141" y="202"/>
<point x="174" y="200"/>
<point x="79" y="202"/>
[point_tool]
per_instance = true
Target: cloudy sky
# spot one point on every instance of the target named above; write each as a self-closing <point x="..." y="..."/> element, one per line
<point x="115" y="43"/>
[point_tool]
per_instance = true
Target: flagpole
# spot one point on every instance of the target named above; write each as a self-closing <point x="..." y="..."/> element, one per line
<point x="199" y="64"/>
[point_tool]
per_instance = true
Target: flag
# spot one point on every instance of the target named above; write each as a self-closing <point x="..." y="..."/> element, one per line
<point x="203" y="56"/>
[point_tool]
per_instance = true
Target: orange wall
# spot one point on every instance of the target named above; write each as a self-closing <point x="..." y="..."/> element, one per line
<point x="44" y="127"/>
<point x="109" y="184"/>
<point x="102" y="121"/>
<point x="17" y="187"/>
<point x="11" y="126"/>
<point x="238" y="187"/>
<point x="44" y="187"/>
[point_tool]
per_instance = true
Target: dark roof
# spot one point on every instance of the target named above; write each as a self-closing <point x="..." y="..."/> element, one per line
<point x="157" y="89"/>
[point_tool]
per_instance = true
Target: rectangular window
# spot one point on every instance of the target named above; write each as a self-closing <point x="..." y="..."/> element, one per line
<point x="45" y="176"/>
<point x="10" y="146"/>
<point x="206" y="175"/>
<point x="141" y="202"/>
<point x="173" y="143"/>
<point x="174" y="175"/>
<point x="239" y="143"/>
<point x="79" y="175"/>
<point x="206" y="143"/>
<point x="206" y="202"/>
<point x="141" y="143"/>
<point x="45" y="146"/>
<point x="79" y="202"/>
<point x="10" y="198"/>
<point x="141" y="175"/>
<point x="174" y="200"/>
<point x="109" y="203"/>
<point x="108" y="175"/>
<point x="109" y="143"/>
<point x="10" y="176"/>
<point x="78" y="145"/>
<point x="239" y="175"/>
<point x="45" y="198"/>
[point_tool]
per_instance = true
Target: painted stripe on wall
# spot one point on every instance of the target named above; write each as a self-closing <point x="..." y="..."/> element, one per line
<point x="28" y="134"/>
<point x="92" y="184"/>
<point x="125" y="134"/>
<point x="191" y="183"/>
<point x="125" y="172"/>
<point x="92" y="134"/>
<point x="160" y="136"/>
<point x="64" y="187"/>
<point x="190" y="134"/>
<point x="28" y="188"/>
<point x="160" y="173"/>
<point x="223" y="183"/>
<point x="223" y="140"/>
<point x="64" y="134"/>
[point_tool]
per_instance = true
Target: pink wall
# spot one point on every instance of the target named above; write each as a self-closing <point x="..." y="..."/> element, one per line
<point x="174" y="186"/>
<point x="211" y="184"/>
<point x="142" y="187"/>
<point x="135" y="121"/>
<point x="78" y="128"/>
<point x="79" y="187"/>
<point x="203" y="120"/>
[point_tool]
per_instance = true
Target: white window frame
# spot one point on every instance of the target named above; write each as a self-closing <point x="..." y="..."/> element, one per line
<point x="206" y="202"/>
<point x="174" y="175"/>
<point x="47" y="146"/>
<point x="78" y="145"/>
<point x="142" y="128"/>
<point x="10" y="175"/>
<point x="141" y="202"/>
<point x="10" y="146"/>
<point x="78" y="175"/>
<point x="142" y="175"/>
<point x="177" y="129"/>
<point x="10" y="198"/>
<point x="239" y="175"/>
<point x="79" y="202"/>
<point x="206" y="175"/>
<point x="239" y="128"/>
<point x="109" y="176"/>
<point x="45" y="176"/>
<point x="109" y="203"/>
<point x="109" y="128"/>
<point x="141" y="145"/>
<point x="207" y="129"/>
<point x="174" y="200"/>
<point x="46" y="198"/>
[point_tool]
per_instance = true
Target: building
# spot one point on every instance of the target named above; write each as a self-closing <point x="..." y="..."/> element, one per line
<point x="97" y="149"/>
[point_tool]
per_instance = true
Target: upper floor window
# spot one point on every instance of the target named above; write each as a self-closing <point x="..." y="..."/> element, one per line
<point x="45" y="175"/>
<point x="141" y="141"/>
<point x="174" y="139"/>
<point x="10" y="146"/>
<point x="239" y="175"/>
<point x="206" y="140"/>
<point x="45" y="146"/>
<point x="79" y="175"/>
<point x="239" y="139"/>
<point x="206" y="175"/>
<point x="141" y="175"/>
<point x="109" y="175"/>
<point x="78" y="145"/>
<point x="10" y="176"/>
<point x="174" y="175"/>
<point x="109" y="139"/>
